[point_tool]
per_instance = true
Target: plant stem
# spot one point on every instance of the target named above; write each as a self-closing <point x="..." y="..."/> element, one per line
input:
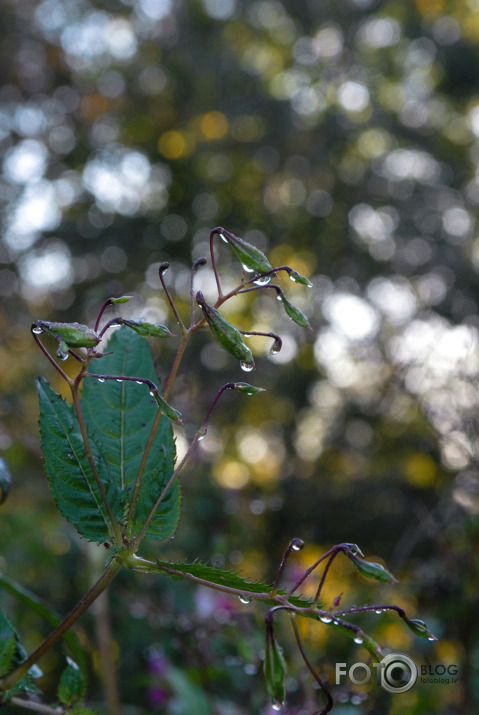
<point x="37" y="707"/>
<point x="77" y="611"/>
<point x="329" y="705"/>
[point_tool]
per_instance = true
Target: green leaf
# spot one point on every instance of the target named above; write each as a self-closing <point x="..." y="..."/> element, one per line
<point x="302" y="280"/>
<point x="147" y="330"/>
<point x="5" y="480"/>
<point x="296" y="315"/>
<point x="7" y="645"/>
<point x="370" y="569"/>
<point x="274" y="668"/>
<point x="227" y="580"/>
<point x="12" y="654"/>
<point x="32" y="601"/>
<point x="120" y="415"/>
<point x="70" y="477"/>
<point x="71" y="687"/>
<point x="247" y="389"/>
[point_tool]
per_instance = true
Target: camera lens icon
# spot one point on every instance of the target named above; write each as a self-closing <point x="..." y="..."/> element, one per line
<point x="398" y="673"/>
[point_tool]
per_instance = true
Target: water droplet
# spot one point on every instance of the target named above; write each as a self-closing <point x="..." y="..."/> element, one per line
<point x="101" y="379"/>
<point x="139" y="382"/>
<point x="297" y="544"/>
<point x="202" y="434"/>
<point x="378" y="611"/>
<point x="277" y="704"/>
<point x="37" y="330"/>
<point x="274" y="350"/>
<point x="246" y="366"/>
<point x="247" y="269"/>
<point x="63" y="356"/>
<point x="279" y="297"/>
<point x="358" y="639"/>
<point x="118" y="379"/>
<point x="325" y="619"/>
<point x="153" y="392"/>
<point x="223" y="238"/>
<point x="432" y="638"/>
<point x="262" y="280"/>
<point x="247" y="335"/>
<point x="245" y="599"/>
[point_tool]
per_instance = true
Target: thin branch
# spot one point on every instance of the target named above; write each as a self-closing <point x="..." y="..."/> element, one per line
<point x="161" y="272"/>
<point x="329" y="705"/>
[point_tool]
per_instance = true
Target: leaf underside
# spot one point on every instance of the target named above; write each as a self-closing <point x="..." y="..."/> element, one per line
<point x="118" y="418"/>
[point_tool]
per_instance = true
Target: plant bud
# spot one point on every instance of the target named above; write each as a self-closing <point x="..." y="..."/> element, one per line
<point x="247" y="389"/>
<point x="370" y="569"/>
<point x="302" y="280"/>
<point x="296" y="315"/>
<point x="74" y="335"/>
<point x="147" y="330"/>
<point x="122" y="299"/>
<point x="252" y="259"/>
<point x="226" y="334"/>
<point x="419" y="628"/>
<point x="5" y="480"/>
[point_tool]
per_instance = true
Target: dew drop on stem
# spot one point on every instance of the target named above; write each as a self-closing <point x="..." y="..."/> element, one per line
<point x="262" y="280"/>
<point x="325" y="619"/>
<point x="101" y="379"/>
<point x="37" y="330"/>
<point x="297" y="544"/>
<point x="245" y="599"/>
<point x="358" y="639"/>
<point x="277" y="704"/>
<point x="378" y="611"/>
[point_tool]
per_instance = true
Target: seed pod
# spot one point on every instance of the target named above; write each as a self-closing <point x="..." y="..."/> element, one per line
<point x="5" y="480"/>
<point x="252" y="259"/>
<point x="122" y="299"/>
<point x="148" y="330"/>
<point x="274" y="667"/>
<point x="225" y="333"/>
<point x="74" y="335"/>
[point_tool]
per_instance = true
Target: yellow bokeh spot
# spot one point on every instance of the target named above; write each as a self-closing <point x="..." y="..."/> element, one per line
<point x="470" y="27"/>
<point x="395" y="635"/>
<point x="231" y="474"/>
<point x="429" y="7"/>
<point x="420" y="470"/>
<point x="172" y="144"/>
<point x="214" y="125"/>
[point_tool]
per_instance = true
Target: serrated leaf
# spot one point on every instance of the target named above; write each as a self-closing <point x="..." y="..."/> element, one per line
<point x="226" y="579"/>
<point x="120" y="416"/>
<point x="12" y="654"/>
<point x="71" y="687"/>
<point x="70" y="476"/>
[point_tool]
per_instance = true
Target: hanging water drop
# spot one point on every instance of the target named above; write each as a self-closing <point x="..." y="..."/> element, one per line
<point x="245" y="599"/>
<point x="378" y="611"/>
<point x="223" y="238"/>
<point x="139" y="382"/>
<point x="37" y="330"/>
<point x="262" y="280"/>
<point x="118" y="379"/>
<point x="62" y="355"/>
<point x="247" y="269"/>
<point x="325" y="619"/>
<point x="279" y="297"/>
<point x="246" y="366"/>
<point x="277" y="704"/>
<point x="358" y="639"/>
<point x="274" y="350"/>
<point x="432" y="638"/>
<point x="247" y="335"/>
<point x="153" y="392"/>
<point x="101" y="379"/>
<point x="202" y="434"/>
<point x="297" y="544"/>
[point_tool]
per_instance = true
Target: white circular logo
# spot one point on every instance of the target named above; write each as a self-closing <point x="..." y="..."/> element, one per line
<point x="398" y="673"/>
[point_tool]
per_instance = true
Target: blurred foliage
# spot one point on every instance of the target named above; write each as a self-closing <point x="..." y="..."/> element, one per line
<point x="341" y="138"/>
